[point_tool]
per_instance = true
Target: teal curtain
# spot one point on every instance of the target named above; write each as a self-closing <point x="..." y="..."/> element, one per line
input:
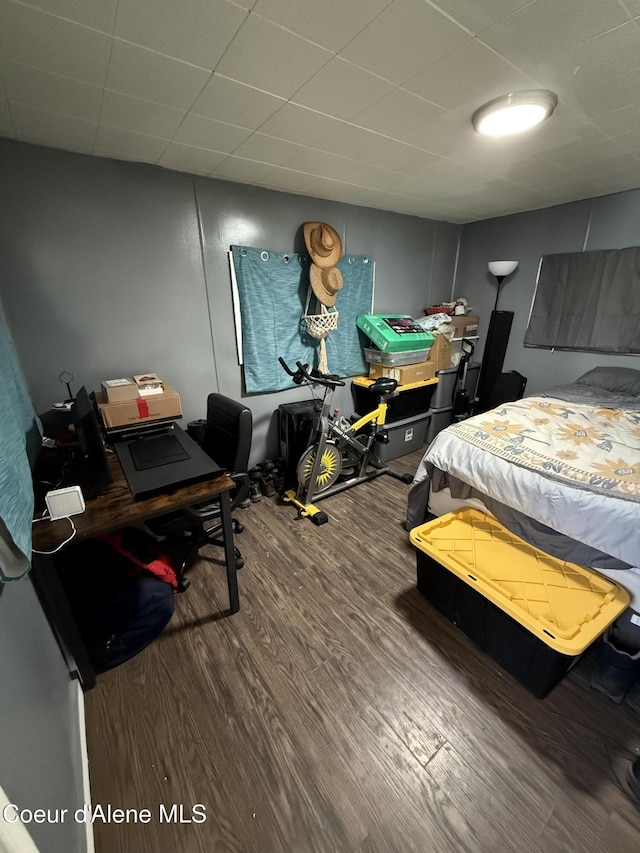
<point x="272" y="293"/>
<point x="20" y="438"/>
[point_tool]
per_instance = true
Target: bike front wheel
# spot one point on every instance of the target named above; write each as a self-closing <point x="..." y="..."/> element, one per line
<point x="329" y="471"/>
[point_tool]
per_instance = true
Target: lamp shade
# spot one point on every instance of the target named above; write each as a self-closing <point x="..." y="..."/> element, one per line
<point x="502" y="268"/>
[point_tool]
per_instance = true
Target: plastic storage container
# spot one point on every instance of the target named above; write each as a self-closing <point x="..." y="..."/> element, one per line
<point x="439" y="419"/>
<point x="405" y="436"/>
<point x="411" y="401"/>
<point x="395" y="359"/>
<point x="447" y="381"/>
<point x="533" y="613"/>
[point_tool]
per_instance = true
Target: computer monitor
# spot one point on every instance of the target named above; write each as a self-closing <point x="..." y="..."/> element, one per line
<point x="96" y="464"/>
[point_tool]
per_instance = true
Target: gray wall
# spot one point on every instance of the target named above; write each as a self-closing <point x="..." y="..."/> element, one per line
<point x="414" y="264"/>
<point x="112" y="268"/>
<point x="40" y="755"/>
<point x="610" y="222"/>
<point x="102" y="273"/>
<point x="109" y="269"/>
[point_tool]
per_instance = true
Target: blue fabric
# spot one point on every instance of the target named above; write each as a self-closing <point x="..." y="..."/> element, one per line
<point x="20" y="436"/>
<point x="272" y="290"/>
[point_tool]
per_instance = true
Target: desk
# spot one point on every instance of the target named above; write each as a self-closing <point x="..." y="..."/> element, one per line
<point x="112" y="509"/>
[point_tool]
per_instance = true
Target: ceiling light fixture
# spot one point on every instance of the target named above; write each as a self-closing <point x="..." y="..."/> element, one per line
<point x="515" y="112"/>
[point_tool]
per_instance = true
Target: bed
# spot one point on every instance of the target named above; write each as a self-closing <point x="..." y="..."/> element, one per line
<point x="560" y="469"/>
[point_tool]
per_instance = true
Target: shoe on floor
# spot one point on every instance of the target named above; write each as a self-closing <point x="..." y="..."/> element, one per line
<point x="610" y="682"/>
<point x="267" y="486"/>
<point x="616" y="670"/>
<point x="631" y="782"/>
<point x="255" y="492"/>
<point x="633" y="696"/>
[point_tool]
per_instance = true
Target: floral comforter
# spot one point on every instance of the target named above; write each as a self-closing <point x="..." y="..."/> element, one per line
<point x="588" y="446"/>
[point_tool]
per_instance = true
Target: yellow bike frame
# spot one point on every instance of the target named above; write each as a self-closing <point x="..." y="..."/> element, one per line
<point x="377" y="416"/>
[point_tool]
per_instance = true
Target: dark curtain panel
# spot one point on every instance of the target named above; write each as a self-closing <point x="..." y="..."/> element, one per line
<point x="588" y="301"/>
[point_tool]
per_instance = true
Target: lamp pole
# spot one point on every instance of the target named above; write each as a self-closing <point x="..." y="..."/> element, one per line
<point x="499" y="279"/>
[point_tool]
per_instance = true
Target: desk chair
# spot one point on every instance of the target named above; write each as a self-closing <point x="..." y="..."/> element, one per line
<point x="227" y="439"/>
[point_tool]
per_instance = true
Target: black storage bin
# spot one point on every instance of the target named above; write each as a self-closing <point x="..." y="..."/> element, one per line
<point x="536" y="666"/>
<point x="535" y="614"/>
<point x="408" y="404"/>
<point x="295" y="428"/>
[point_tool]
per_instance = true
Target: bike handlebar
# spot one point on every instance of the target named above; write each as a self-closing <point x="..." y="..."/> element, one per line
<point x="329" y="380"/>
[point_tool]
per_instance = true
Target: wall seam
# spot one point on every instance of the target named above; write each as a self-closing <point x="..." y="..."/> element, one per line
<point x="433" y="264"/>
<point x="206" y="283"/>
<point x="588" y="227"/>
<point x="455" y="266"/>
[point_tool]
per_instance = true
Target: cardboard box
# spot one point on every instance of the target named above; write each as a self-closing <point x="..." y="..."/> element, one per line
<point x="395" y="333"/>
<point x="119" y="390"/>
<point x="405" y="374"/>
<point x="142" y="410"/>
<point x="466" y="326"/>
<point x="142" y="379"/>
<point x="148" y="384"/>
<point x="440" y="353"/>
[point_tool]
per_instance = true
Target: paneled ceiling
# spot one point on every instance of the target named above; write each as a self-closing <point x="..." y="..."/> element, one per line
<point x="368" y="102"/>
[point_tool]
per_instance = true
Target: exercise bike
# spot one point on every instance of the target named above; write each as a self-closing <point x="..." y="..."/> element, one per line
<point x="342" y="454"/>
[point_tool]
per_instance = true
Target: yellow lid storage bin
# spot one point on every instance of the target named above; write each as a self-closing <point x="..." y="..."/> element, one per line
<point x="412" y="400"/>
<point x="535" y="614"/>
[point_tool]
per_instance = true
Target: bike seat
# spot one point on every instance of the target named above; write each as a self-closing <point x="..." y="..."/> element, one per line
<point x="383" y="385"/>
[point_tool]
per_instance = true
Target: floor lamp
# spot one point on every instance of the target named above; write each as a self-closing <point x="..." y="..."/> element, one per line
<point x="497" y="338"/>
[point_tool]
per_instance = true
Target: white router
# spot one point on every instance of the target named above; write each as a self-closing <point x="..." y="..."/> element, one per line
<point x="62" y="503"/>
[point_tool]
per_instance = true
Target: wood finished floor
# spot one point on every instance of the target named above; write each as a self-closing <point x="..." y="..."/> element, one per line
<point x="337" y="711"/>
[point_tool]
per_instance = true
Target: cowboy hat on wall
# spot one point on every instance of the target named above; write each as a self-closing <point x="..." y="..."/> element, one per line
<point x="323" y="244"/>
<point x="325" y="248"/>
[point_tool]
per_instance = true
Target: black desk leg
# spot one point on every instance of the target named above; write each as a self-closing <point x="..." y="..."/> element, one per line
<point x="229" y="552"/>
<point x="58" y="611"/>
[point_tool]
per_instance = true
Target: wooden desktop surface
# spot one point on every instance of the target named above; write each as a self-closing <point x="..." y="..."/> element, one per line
<point x="115" y="507"/>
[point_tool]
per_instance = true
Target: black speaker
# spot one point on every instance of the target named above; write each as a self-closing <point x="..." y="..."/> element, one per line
<point x="493" y="359"/>
<point x="295" y="426"/>
<point x="507" y="387"/>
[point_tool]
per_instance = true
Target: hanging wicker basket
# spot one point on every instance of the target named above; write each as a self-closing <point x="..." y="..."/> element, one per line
<point x="320" y="326"/>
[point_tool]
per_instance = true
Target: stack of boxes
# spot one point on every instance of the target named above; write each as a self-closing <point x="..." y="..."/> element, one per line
<point x="400" y="350"/>
<point x="137" y="401"/>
